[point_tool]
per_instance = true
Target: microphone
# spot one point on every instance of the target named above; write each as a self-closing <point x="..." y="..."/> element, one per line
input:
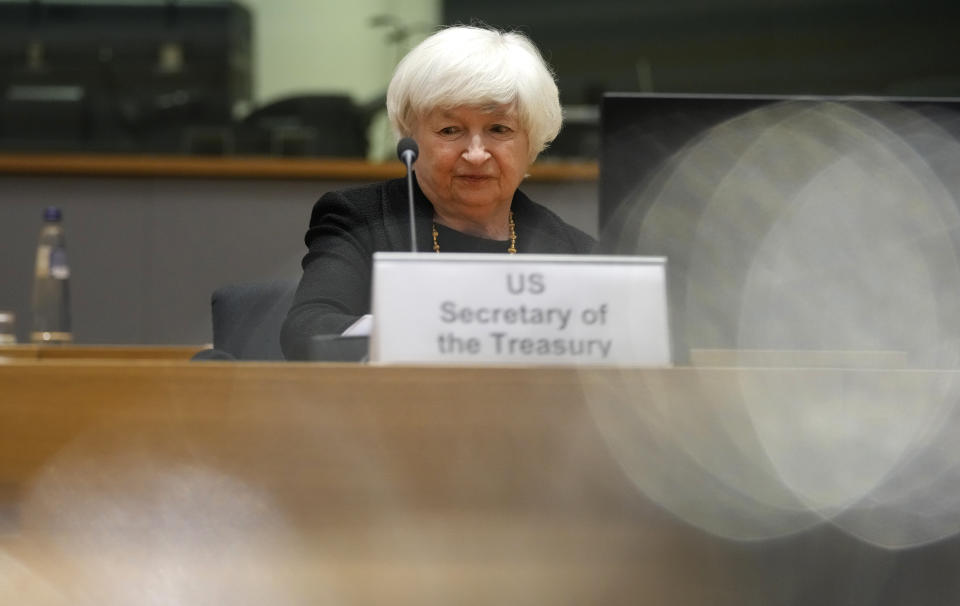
<point x="407" y="151"/>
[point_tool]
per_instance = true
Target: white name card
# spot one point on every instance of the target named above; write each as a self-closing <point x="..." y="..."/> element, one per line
<point x="456" y="308"/>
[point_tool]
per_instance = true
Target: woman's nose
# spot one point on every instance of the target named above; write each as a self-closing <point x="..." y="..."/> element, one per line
<point x="476" y="152"/>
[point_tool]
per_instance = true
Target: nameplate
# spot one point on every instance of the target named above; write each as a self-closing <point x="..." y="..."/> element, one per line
<point x="455" y="308"/>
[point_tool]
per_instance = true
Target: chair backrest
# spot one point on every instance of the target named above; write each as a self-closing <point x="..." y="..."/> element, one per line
<point x="247" y="318"/>
<point x="308" y="125"/>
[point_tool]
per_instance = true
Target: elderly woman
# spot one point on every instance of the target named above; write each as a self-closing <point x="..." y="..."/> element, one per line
<point x="481" y="104"/>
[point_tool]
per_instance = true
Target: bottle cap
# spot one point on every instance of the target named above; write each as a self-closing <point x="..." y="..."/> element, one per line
<point x="52" y="214"/>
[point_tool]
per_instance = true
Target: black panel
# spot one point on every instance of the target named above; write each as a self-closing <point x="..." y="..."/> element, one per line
<point x="735" y="46"/>
<point x="120" y="76"/>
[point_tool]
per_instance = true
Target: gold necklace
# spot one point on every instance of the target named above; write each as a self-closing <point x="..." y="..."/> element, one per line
<point x="513" y="237"/>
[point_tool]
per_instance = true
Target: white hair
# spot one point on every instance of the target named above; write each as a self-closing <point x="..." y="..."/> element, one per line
<point x="475" y="66"/>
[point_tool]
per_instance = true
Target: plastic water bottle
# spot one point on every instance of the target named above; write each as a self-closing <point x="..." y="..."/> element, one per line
<point x="51" y="283"/>
<point x="8" y="330"/>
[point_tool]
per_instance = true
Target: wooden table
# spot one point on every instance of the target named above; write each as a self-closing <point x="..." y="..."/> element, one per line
<point x="9" y="353"/>
<point x="157" y="481"/>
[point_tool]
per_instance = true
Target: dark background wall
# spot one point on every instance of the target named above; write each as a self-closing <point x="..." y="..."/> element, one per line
<point x="736" y="46"/>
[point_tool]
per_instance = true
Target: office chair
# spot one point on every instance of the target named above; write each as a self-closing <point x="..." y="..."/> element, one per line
<point x="247" y="319"/>
<point x="307" y="125"/>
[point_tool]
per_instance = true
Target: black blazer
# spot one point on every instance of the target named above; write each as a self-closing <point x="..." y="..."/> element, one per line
<point x="348" y="226"/>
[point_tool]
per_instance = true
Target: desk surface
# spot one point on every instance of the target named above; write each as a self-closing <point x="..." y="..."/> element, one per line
<point x="172" y="482"/>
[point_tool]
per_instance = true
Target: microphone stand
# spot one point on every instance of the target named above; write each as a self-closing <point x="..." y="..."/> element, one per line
<point x="413" y="227"/>
<point x="408" y="151"/>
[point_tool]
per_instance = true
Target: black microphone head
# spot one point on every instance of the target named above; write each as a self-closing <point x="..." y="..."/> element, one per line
<point x="408" y="146"/>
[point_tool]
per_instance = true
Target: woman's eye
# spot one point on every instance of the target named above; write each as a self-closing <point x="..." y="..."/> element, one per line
<point x="501" y="129"/>
<point x="448" y="130"/>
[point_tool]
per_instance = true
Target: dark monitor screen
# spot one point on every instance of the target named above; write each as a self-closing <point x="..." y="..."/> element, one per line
<point x="792" y="223"/>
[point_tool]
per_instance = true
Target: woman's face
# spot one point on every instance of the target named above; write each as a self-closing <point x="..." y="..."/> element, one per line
<point x="471" y="159"/>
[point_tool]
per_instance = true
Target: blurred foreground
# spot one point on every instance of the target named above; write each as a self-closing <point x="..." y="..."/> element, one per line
<point x="178" y="483"/>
